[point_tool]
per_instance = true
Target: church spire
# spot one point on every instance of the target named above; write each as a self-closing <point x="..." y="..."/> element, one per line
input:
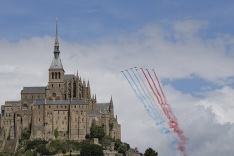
<point x="56" y="62"/>
<point x="56" y="43"/>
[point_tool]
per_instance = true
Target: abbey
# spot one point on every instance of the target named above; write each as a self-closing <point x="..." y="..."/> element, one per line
<point x="63" y="109"/>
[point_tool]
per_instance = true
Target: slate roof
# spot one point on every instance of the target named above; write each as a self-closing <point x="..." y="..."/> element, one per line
<point x="56" y="63"/>
<point x="10" y="103"/>
<point x="60" y="102"/>
<point x="69" y="76"/>
<point x="34" y="90"/>
<point x="101" y="108"/>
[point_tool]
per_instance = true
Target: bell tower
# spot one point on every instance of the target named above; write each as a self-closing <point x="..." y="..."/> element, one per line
<point x="56" y="72"/>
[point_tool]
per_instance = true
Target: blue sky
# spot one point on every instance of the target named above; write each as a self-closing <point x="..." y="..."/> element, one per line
<point x="189" y="43"/>
<point x="94" y="19"/>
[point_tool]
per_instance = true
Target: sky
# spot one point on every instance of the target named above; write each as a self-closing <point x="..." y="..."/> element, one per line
<point x="190" y="44"/>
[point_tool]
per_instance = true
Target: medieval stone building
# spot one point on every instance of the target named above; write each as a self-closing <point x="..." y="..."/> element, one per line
<point x="65" y="106"/>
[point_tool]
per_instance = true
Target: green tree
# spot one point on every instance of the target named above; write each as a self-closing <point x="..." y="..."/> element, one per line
<point x="117" y="143"/>
<point x="123" y="148"/>
<point x="96" y="131"/>
<point x="150" y="152"/>
<point x="34" y="144"/>
<point x="106" y="141"/>
<point x="88" y="149"/>
<point x="56" y="133"/>
<point x="55" y="146"/>
<point x="42" y="149"/>
<point x="26" y="133"/>
<point x="30" y="153"/>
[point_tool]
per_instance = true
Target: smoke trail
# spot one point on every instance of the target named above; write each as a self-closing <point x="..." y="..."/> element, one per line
<point x="136" y="92"/>
<point x="164" y="97"/>
<point x="161" y="122"/>
<point x="142" y="95"/>
<point x="151" y="86"/>
<point x="149" y="93"/>
<point x="183" y="139"/>
<point x="155" y="86"/>
<point x="170" y="115"/>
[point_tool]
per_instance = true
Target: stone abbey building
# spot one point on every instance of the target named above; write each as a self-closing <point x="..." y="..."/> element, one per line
<point x="64" y="105"/>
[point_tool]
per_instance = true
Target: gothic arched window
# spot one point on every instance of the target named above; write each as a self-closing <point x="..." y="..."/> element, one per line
<point x="52" y="75"/>
<point x="55" y="75"/>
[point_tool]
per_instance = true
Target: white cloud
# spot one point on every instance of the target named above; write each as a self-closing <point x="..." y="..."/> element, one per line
<point x="26" y="63"/>
<point x="221" y="102"/>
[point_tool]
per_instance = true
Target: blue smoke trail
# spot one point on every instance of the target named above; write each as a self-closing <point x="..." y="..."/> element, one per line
<point x="152" y="112"/>
<point x="135" y="91"/>
<point x="159" y="120"/>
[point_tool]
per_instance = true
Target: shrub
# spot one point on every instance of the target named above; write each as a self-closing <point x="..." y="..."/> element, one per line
<point x="88" y="149"/>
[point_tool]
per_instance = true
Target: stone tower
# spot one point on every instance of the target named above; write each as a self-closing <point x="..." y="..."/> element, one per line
<point x="56" y="73"/>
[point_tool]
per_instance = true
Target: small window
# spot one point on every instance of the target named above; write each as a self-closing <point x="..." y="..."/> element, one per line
<point x="53" y="94"/>
<point x="39" y="119"/>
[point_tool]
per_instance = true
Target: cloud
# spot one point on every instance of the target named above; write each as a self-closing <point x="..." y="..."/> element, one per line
<point x="173" y="57"/>
<point x="175" y="53"/>
<point x="207" y="137"/>
<point x="221" y="102"/>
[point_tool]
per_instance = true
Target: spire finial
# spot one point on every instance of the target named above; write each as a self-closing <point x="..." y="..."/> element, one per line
<point x="56" y="43"/>
<point x="56" y="39"/>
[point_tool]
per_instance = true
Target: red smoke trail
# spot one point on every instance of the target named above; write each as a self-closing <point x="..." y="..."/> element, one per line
<point x="150" y="85"/>
<point x="155" y="86"/>
<point x="169" y="114"/>
<point x="164" y="97"/>
<point x="173" y="122"/>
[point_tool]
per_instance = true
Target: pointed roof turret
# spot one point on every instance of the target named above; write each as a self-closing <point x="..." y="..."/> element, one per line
<point x="111" y="108"/>
<point x="56" y="62"/>
<point x="88" y="84"/>
<point x="77" y="74"/>
<point x="111" y="102"/>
